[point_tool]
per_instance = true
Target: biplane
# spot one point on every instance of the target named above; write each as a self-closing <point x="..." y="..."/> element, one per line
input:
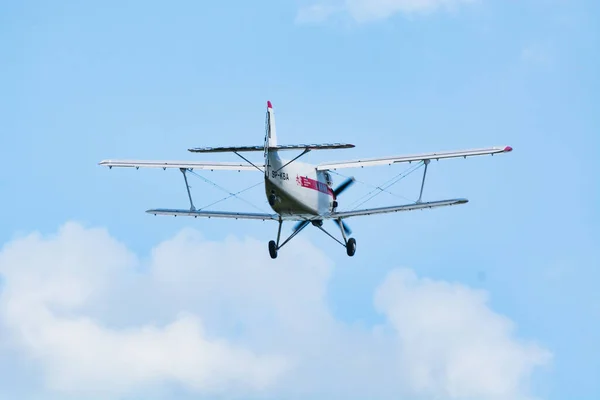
<point x="297" y="191"/>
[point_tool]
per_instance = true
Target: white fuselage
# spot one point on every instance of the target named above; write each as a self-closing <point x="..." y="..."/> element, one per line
<point x="299" y="188"/>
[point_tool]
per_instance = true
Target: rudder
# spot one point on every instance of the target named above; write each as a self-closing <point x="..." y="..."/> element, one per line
<point x="271" y="133"/>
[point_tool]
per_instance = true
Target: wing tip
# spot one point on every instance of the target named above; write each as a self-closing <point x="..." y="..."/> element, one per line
<point x="508" y="149"/>
<point x="269" y="104"/>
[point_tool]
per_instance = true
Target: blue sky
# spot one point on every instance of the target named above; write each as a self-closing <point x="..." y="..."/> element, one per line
<point x="84" y="82"/>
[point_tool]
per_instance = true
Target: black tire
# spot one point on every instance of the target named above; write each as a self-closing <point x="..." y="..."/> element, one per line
<point x="273" y="249"/>
<point x="351" y="247"/>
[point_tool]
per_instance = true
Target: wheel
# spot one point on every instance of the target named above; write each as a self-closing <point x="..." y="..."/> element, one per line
<point x="351" y="247"/>
<point x="273" y="249"/>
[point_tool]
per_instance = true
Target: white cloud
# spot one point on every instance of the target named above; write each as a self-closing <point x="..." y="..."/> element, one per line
<point x="371" y="10"/>
<point x="451" y="344"/>
<point x="222" y="317"/>
<point x="50" y="282"/>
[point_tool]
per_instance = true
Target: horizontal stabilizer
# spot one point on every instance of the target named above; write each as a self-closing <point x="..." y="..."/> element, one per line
<point x="390" y="209"/>
<point x="179" y="164"/>
<point x="324" y="146"/>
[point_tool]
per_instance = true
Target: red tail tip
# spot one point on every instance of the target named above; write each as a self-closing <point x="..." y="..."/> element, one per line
<point x="507" y="149"/>
<point x="269" y="105"/>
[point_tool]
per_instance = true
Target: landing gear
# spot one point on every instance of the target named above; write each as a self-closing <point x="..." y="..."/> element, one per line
<point x="351" y="247"/>
<point x="273" y="249"/>
<point x="274" y="246"/>
<point x="349" y="244"/>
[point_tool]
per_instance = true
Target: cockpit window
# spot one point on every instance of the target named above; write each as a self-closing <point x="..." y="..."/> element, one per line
<point x="328" y="179"/>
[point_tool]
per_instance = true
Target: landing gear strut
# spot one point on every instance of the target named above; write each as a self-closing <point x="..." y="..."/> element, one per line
<point x="349" y="244"/>
<point x="274" y="246"/>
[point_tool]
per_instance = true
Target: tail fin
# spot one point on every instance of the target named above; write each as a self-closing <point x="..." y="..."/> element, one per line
<point x="271" y="133"/>
<point x="270" y="138"/>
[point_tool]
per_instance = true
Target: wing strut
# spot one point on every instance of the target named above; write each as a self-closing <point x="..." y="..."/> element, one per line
<point x="248" y="161"/>
<point x="187" y="186"/>
<point x="423" y="182"/>
<point x="293" y="159"/>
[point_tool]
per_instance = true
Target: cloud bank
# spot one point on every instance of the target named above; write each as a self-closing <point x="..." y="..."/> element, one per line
<point x="372" y="10"/>
<point x="222" y="318"/>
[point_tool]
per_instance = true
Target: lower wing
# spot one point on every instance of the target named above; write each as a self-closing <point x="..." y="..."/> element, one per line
<point x="390" y="209"/>
<point x="276" y="217"/>
<point x="220" y="214"/>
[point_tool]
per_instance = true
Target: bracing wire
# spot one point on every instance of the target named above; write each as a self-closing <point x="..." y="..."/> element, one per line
<point x="373" y="186"/>
<point x="384" y="186"/>
<point x="231" y="194"/>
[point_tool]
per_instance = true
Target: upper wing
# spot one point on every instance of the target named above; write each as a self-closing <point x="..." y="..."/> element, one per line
<point x="405" y="207"/>
<point x="179" y="164"/>
<point x="323" y="146"/>
<point x="370" y="162"/>
<point x="219" y="214"/>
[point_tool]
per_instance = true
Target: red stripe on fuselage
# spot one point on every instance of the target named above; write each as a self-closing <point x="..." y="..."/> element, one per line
<point x="313" y="184"/>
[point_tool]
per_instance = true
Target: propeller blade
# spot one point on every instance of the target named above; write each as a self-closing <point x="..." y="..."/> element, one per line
<point x="345" y="227"/>
<point x="343" y="186"/>
<point x="300" y="224"/>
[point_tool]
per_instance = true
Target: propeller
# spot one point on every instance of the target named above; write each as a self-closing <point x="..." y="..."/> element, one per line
<point x="339" y="190"/>
<point x="300" y="224"/>
<point x="345" y="227"/>
<point x="343" y="186"/>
